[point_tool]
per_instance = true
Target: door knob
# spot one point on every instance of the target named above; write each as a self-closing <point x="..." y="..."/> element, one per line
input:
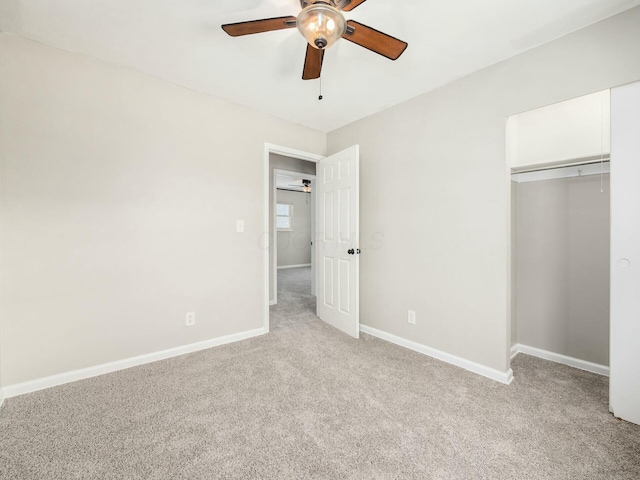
<point x="351" y="251"/>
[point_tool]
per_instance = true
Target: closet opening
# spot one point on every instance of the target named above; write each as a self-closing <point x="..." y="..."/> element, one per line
<point x="575" y="242"/>
<point x="559" y="160"/>
<point x="560" y="259"/>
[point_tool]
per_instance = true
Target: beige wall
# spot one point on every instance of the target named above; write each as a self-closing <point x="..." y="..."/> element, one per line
<point x="435" y="186"/>
<point x="115" y="209"/>
<point x="280" y="162"/>
<point x="294" y="247"/>
<point x="563" y="232"/>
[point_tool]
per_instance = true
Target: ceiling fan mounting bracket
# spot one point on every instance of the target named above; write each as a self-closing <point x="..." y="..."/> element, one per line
<point x="339" y="4"/>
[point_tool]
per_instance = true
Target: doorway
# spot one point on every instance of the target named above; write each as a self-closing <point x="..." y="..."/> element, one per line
<point x="332" y="272"/>
<point x="286" y="288"/>
<point x="293" y="211"/>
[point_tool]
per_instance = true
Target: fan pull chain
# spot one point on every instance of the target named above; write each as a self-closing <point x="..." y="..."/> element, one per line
<point x="320" y="78"/>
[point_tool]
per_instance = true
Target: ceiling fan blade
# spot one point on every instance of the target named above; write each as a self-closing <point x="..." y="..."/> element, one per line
<point x="312" y="63"/>
<point x="259" y="26"/>
<point x="373" y="40"/>
<point x="353" y="4"/>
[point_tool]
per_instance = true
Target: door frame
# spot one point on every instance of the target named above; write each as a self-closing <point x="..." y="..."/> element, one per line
<point x="312" y="206"/>
<point x="270" y="148"/>
<point x="511" y="168"/>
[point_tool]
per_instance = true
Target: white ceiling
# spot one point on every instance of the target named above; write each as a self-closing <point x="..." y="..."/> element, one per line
<point x="181" y="41"/>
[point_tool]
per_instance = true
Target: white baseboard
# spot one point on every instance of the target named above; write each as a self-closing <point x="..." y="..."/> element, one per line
<point x="514" y="351"/>
<point x="294" y="266"/>
<point x="558" y="358"/>
<point x="75" y="375"/>
<point x="1" y="397"/>
<point x="273" y="302"/>
<point x="497" y="375"/>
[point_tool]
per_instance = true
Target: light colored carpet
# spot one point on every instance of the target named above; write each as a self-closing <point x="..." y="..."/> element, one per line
<point x="306" y="401"/>
<point x="295" y="304"/>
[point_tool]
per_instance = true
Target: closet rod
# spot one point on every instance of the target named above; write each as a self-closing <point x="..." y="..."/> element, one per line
<point x="542" y="168"/>
<point x="290" y="190"/>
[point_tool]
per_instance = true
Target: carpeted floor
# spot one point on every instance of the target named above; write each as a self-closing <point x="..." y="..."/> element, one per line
<point x="295" y="304"/>
<point x="306" y="401"/>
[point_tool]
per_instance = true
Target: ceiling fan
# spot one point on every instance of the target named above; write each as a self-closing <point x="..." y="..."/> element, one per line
<point x="322" y="23"/>
<point x="304" y="184"/>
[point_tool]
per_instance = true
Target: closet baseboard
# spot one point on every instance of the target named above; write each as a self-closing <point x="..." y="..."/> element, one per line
<point x="559" y="358"/>
<point x="286" y="267"/>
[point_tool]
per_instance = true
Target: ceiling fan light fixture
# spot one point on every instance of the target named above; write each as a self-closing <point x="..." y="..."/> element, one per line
<point x="322" y="25"/>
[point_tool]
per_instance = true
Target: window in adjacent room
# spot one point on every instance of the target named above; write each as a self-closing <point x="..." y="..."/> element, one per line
<point x="284" y="216"/>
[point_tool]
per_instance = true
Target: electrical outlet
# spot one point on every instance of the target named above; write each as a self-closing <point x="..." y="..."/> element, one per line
<point x="411" y="317"/>
<point x="191" y="319"/>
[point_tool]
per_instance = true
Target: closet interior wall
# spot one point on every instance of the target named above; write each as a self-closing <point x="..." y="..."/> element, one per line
<point x="561" y="265"/>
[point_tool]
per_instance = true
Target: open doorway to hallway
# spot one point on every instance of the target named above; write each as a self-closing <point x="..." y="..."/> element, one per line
<point x="336" y="242"/>
<point x="292" y="259"/>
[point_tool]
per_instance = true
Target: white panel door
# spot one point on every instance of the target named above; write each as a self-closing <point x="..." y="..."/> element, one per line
<point x="624" y="384"/>
<point x="338" y="240"/>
